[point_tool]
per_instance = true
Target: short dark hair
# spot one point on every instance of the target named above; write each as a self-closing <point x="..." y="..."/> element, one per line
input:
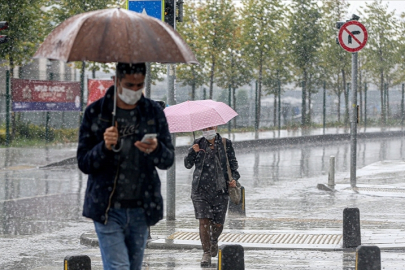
<point x="125" y="68"/>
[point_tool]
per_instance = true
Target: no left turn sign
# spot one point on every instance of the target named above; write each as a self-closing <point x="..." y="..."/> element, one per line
<point x="352" y="36"/>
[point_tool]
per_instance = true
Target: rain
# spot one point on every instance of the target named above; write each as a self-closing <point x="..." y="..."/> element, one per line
<point x="316" y="130"/>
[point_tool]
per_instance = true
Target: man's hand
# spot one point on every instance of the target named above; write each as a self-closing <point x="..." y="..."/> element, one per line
<point x="147" y="147"/>
<point x="196" y="148"/>
<point x="232" y="183"/>
<point x="111" y="136"/>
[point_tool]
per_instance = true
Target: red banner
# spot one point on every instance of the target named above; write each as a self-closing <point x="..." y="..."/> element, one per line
<point x="97" y="89"/>
<point x="34" y="95"/>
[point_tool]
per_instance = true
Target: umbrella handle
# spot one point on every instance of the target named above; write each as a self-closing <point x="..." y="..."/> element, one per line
<point x="116" y="150"/>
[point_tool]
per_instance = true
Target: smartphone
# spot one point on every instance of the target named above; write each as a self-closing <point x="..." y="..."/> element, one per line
<point x="148" y="136"/>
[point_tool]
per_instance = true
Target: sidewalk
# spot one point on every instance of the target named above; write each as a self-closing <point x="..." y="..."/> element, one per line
<point x="317" y="232"/>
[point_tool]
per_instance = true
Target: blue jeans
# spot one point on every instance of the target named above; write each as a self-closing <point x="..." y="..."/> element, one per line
<point x="122" y="240"/>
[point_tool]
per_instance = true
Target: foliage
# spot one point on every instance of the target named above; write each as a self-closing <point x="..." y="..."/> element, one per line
<point x="215" y="21"/>
<point x="191" y="75"/>
<point x="260" y="20"/>
<point x="335" y="62"/>
<point x="305" y="37"/>
<point x="28" y="26"/>
<point x="381" y="50"/>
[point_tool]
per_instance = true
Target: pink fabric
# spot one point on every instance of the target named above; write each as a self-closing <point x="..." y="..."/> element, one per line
<point x="196" y="115"/>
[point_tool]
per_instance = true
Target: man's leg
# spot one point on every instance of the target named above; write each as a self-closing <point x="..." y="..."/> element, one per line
<point x="136" y="236"/>
<point x="112" y="241"/>
<point x="205" y="241"/>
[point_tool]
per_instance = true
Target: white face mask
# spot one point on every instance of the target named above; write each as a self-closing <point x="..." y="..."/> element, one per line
<point x="129" y="96"/>
<point x="209" y="134"/>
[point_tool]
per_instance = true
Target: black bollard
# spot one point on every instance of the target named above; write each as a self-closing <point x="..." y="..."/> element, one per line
<point x="368" y="258"/>
<point x="78" y="262"/>
<point x="238" y="209"/>
<point x="351" y="228"/>
<point x="231" y="257"/>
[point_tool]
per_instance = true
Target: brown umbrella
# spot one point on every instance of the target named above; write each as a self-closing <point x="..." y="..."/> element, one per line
<point x="115" y="35"/>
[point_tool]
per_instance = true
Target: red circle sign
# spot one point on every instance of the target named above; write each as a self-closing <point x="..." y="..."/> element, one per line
<point x="352" y="36"/>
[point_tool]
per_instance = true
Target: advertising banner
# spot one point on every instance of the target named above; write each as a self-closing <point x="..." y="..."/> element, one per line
<point x="33" y="95"/>
<point x="97" y="89"/>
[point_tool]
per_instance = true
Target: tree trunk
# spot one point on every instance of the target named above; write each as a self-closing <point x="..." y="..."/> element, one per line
<point x="259" y="90"/>
<point x="346" y="95"/>
<point x="309" y="88"/>
<point x="338" y="108"/>
<point x="234" y="105"/>
<point x="193" y="91"/>
<point x="382" y="97"/>
<point x="212" y="77"/>
<point x="304" y="98"/>
<point x="275" y="108"/>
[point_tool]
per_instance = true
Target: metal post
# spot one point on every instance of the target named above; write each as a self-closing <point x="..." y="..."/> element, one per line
<point x="402" y="106"/>
<point x="171" y="172"/>
<point x="148" y="80"/>
<point x="353" y="122"/>
<point x="256" y="111"/>
<point x="47" y="118"/>
<point x="230" y="105"/>
<point x="82" y="92"/>
<point x="365" y="106"/>
<point x="279" y="107"/>
<point x="331" y="175"/>
<point x="324" y="107"/>
<point x="7" y="107"/>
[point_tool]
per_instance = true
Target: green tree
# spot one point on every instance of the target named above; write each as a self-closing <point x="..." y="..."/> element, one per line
<point x="335" y="62"/>
<point x="61" y="10"/>
<point x="28" y="26"/>
<point x="191" y="75"/>
<point x="233" y="71"/>
<point x="215" y="19"/>
<point x="382" y="46"/>
<point x="260" y="19"/>
<point x="305" y="38"/>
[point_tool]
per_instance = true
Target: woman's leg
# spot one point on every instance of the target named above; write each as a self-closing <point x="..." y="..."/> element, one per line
<point x="205" y="241"/>
<point x="216" y="230"/>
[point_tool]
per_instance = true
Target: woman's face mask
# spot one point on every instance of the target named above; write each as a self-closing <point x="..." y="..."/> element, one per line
<point x="209" y="134"/>
<point x="129" y="96"/>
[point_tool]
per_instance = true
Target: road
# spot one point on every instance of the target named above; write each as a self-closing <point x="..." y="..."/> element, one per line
<point x="41" y="218"/>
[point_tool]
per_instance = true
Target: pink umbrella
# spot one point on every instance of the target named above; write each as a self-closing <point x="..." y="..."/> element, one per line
<point x="195" y="115"/>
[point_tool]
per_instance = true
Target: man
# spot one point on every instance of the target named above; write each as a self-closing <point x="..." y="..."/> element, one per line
<point x="123" y="189"/>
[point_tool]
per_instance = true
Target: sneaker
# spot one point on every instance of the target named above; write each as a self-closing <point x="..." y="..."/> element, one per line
<point x="206" y="260"/>
<point x="214" y="248"/>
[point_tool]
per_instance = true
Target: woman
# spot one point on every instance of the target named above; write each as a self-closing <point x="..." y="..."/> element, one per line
<point x="209" y="189"/>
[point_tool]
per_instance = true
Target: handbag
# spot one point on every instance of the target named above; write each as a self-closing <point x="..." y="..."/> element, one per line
<point x="235" y="193"/>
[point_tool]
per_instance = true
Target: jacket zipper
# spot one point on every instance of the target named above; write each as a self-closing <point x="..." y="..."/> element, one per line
<point x="201" y="170"/>
<point x="110" y="198"/>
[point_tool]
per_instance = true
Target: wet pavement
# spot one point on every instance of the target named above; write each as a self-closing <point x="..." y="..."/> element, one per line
<point x="41" y="220"/>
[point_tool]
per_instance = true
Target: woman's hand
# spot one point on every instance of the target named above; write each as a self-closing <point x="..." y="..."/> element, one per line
<point x="232" y="183"/>
<point x="196" y="148"/>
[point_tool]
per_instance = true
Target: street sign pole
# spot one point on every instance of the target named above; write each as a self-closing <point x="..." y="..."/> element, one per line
<point x="353" y="37"/>
<point x="353" y="122"/>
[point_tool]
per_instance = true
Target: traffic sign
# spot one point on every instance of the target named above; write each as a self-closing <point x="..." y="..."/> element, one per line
<point x="352" y="36"/>
<point x="153" y="8"/>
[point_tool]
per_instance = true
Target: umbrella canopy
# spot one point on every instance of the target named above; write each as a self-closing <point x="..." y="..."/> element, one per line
<point x="196" y="115"/>
<point x="115" y="35"/>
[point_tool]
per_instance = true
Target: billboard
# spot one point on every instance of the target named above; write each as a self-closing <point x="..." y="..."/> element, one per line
<point x="35" y="95"/>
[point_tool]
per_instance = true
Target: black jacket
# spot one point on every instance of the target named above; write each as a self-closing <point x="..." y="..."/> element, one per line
<point x="197" y="159"/>
<point x="102" y="165"/>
